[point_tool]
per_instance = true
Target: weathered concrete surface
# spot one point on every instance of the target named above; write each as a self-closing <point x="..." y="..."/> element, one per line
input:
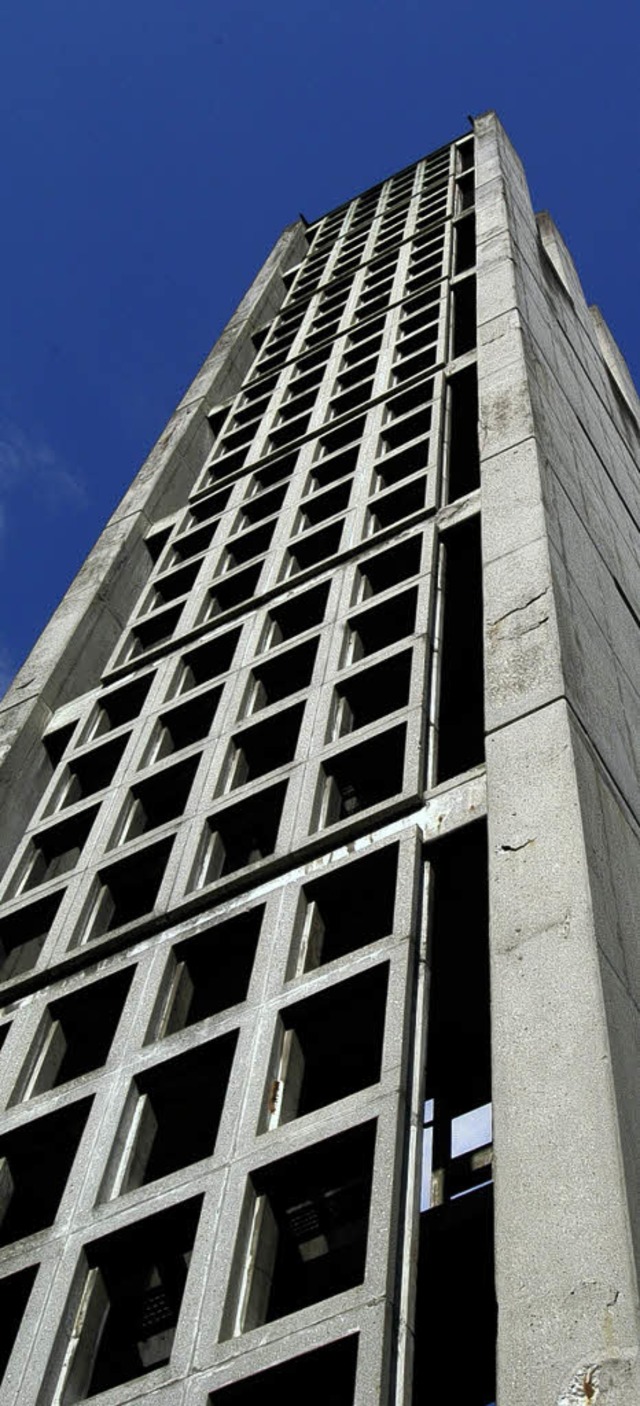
<point x="559" y="648"/>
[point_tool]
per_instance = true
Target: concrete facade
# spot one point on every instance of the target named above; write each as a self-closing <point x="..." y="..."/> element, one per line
<point x="319" y="907"/>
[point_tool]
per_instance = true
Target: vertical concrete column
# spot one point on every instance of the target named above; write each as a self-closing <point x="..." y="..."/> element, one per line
<point x="565" y="1276"/>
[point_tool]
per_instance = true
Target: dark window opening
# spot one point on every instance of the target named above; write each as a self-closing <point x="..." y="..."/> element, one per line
<point x="465" y="244"/>
<point x="458" y="1063"/>
<point x="281" y="677"/>
<point x="309" y="551"/>
<point x="328" y="471"/>
<point x="383" y="625"/>
<point x="466" y="154"/>
<point x="133" y="1294"/>
<point x="155" y="631"/>
<point x="211" y="506"/>
<point x="15" y="1290"/>
<point x="273" y="473"/>
<point x="465" y="192"/>
<point x="76" y="1034"/>
<point x="55" y="743"/>
<point x="129" y="888"/>
<point x="414" y="342"/>
<point x="328" y="1047"/>
<point x="455" y="1268"/>
<point x="23" y="935"/>
<point x="312" y="1236"/>
<point x="88" y="773"/>
<point x="248" y="545"/>
<point x="362" y="776"/>
<point x="394" y="467"/>
<point x="79" y="1031"/>
<point x="286" y="434"/>
<point x="156" y="801"/>
<point x="362" y="372"/>
<point x="177" y="1112"/>
<point x="464" y="317"/>
<point x="371" y="694"/>
<point x="185" y="724"/>
<point x="342" y="437"/>
<point x="390" y="568"/>
<point x="361" y="334"/>
<point x="325" y="505"/>
<point x="356" y="355"/>
<point x="226" y="464"/>
<point x="325" y="1376"/>
<point x="395" y="506"/>
<point x="299" y="614"/>
<point x="263" y="505"/>
<point x="351" y="399"/>
<point x="210" y="972"/>
<point x="413" y="427"/>
<point x="416" y="365"/>
<point x="121" y="705"/>
<point x="235" y="591"/>
<point x="55" y="851"/>
<point x="464" y="453"/>
<point x="173" y="585"/>
<point x="209" y="660"/>
<point x="244" y="833"/>
<point x="461" y="706"/>
<point x="297" y="403"/>
<point x="36" y="1161"/>
<point x="266" y="746"/>
<point x="156" y="541"/>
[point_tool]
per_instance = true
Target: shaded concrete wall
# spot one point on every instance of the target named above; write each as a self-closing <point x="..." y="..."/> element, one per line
<point x="561" y="506"/>
<point x="70" y="654"/>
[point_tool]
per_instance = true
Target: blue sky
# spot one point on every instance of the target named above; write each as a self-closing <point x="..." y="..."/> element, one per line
<point x="151" y="153"/>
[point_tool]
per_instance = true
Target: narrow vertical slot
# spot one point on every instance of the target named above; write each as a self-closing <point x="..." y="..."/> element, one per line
<point x="464" y="453"/>
<point x="461" y="706"/>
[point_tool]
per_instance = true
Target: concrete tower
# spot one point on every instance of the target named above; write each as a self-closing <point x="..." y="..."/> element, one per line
<point x="319" y="843"/>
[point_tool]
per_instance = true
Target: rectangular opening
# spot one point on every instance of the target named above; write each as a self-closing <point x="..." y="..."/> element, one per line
<point x="465" y="244"/>
<point x="361" y="777"/>
<point x="461" y="704"/>
<point x="23" y="935"/>
<point x="265" y="746"/>
<point x="397" y="505"/>
<point x="208" y="973"/>
<point x="455" y="1266"/>
<point x="183" y="725"/>
<point x="274" y="473"/>
<point x="15" y="1291"/>
<point x="156" y="801"/>
<point x="396" y="467"/>
<point x="340" y="438"/>
<point x="381" y="625"/>
<point x="75" y="1035"/>
<point x="242" y="834"/>
<point x="464" y="452"/>
<point x="212" y="506"/>
<point x="299" y="614"/>
<point x="174" y="1114"/>
<point x="86" y="774"/>
<point x="412" y="427"/>
<point x="208" y="660"/>
<point x="308" y="1237"/>
<point x="172" y="586"/>
<point x="328" y="471"/>
<point x="153" y="632"/>
<point x="29" y="1200"/>
<point x="309" y="551"/>
<point x="261" y="506"/>
<point x="120" y="706"/>
<point x="282" y="676"/>
<point x="55" y="743"/>
<point x="235" y="590"/>
<point x="371" y="694"/>
<point x="128" y="889"/>
<point x="324" y="505"/>
<point x="56" y="851"/>
<point x="324" y="1377"/>
<point x="390" y="568"/>
<point x="129" y="1308"/>
<point x="327" y="1047"/>
<point x="464" y="317"/>
<point x="248" y="545"/>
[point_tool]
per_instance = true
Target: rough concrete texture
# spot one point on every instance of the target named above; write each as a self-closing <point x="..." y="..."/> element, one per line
<point x="561" y="683"/>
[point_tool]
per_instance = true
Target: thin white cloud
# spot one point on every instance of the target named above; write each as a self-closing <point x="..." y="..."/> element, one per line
<point x="28" y="463"/>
